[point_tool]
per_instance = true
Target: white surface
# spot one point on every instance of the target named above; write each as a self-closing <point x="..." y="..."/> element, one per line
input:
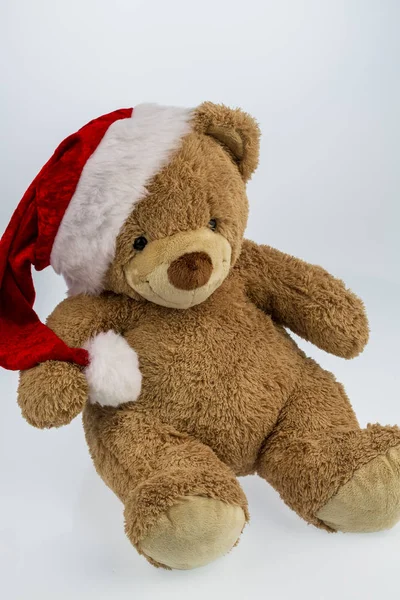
<point x="323" y="79"/>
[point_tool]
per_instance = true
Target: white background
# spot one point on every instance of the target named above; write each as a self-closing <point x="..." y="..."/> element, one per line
<point x="322" y="78"/>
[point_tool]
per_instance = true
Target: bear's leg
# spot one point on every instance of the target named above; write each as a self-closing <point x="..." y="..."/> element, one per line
<point x="332" y="473"/>
<point x="183" y="506"/>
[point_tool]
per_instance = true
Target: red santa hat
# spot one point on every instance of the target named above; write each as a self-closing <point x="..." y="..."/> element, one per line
<point x="70" y="217"/>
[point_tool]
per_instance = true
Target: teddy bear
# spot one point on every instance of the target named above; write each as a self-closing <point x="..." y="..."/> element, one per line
<point x="174" y="338"/>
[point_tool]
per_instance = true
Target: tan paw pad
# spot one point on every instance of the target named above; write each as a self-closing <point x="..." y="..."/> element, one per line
<point x="194" y="532"/>
<point x="370" y="501"/>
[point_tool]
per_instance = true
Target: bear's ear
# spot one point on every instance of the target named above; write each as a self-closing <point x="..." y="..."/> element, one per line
<point x="235" y="130"/>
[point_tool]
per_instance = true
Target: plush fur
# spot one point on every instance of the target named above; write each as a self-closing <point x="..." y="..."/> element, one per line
<point x="113" y="180"/>
<point x="225" y="389"/>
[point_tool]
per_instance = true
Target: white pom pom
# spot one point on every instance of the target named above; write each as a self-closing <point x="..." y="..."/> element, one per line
<point x="113" y="373"/>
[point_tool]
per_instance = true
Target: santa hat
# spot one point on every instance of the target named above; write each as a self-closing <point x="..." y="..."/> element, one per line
<point x="70" y="217"/>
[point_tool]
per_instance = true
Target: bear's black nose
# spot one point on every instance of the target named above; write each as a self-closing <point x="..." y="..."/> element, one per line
<point x="190" y="271"/>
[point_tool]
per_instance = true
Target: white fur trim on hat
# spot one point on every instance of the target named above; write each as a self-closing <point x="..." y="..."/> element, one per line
<point x="113" y="373"/>
<point x="113" y="180"/>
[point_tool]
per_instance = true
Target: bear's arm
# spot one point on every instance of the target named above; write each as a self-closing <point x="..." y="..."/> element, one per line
<point x="305" y="298"/>
<point x="54" y="392"/>
<point x="78" y="318"/>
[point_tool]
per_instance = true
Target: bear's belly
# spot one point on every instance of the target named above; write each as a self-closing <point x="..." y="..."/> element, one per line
<point x="222" y="378"/>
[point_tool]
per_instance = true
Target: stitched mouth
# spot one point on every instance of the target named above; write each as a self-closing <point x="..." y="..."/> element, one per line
<point x="189" y="294"/>
<point x="174" y="304"/>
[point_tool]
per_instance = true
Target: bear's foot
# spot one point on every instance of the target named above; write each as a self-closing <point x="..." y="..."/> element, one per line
<point x="183" y="506"/>
<point x="370" y="501"/>
<point x="193" y="532"/>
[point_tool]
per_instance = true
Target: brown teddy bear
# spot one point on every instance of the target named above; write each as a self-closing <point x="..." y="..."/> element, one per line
<point x="173" y="339"/>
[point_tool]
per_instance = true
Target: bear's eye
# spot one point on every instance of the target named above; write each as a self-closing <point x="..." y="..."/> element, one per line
<point x="212" y="223"/>
<point x="140" y="243"/>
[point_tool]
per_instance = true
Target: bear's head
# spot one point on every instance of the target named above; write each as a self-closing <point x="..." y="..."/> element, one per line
<point x="147" y="202"/>
<point x="183" y="237"/>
